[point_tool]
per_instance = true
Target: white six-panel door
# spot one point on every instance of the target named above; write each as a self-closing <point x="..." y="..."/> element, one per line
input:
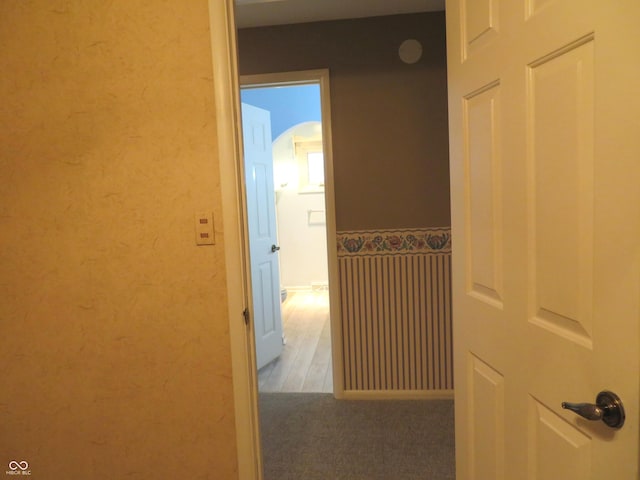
<point x="545" y="186"/>
<point x="261" y="213"/>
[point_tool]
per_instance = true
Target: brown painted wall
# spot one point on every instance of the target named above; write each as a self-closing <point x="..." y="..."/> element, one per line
<point x="114" y="345"/>
<point x="389" y="119"/>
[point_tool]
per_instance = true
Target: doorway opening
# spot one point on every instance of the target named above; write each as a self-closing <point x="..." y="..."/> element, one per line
<point x="300" y="177"/>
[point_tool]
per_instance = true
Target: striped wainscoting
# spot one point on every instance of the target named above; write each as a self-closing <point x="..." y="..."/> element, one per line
<point x="396" y="310"/>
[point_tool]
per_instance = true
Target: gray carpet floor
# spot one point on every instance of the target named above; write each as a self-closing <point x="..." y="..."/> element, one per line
<point x="309" y="436"/>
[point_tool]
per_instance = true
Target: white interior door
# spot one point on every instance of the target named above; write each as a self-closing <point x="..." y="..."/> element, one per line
<point x="545" y="178"/>
<point x="263" y="245"/>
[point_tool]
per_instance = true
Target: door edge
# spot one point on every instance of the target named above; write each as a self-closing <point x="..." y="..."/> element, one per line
<point x="227" y="111"/>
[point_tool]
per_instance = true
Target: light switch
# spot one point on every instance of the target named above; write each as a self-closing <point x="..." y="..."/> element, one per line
<point x="204" y="228"/>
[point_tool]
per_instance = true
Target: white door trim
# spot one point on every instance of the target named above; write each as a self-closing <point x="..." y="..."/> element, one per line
<point x="235" y="240"/>
<point x="321" y="77"/>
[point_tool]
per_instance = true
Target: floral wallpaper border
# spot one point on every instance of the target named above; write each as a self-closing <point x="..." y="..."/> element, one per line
<point x="394" y="242"/>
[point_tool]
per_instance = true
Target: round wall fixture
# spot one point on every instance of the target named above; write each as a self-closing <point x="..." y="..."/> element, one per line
<point x="410" y="51"/>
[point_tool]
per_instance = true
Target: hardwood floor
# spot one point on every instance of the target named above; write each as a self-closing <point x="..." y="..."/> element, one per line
<point x="305" y="363"/>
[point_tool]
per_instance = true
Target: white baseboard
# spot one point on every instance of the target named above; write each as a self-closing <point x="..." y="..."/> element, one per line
<point x="297" y="288"/>
<point x="305" y="288"/>
<point x="397" y="395"/>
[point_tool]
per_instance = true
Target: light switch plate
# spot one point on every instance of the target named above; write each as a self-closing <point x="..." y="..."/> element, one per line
<point x="204" y="228"/>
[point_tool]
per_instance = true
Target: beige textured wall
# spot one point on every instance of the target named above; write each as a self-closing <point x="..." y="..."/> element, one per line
<point x="114" y="346"/>
<point x="389" y="119"/>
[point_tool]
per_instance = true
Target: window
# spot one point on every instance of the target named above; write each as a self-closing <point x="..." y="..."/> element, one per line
<point x="315" y="164"/>
<point x="310" y="165"/>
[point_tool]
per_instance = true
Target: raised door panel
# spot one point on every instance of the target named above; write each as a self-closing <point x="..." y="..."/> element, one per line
<point x="558" y="449"/>
<point x="268" y="315"/>
<point x="486" y="411"/>
<point x="263" y="215"/>
<point x="479" y="19"/>
<point x="561" y="179"/>
<point x="483" y="194"/>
